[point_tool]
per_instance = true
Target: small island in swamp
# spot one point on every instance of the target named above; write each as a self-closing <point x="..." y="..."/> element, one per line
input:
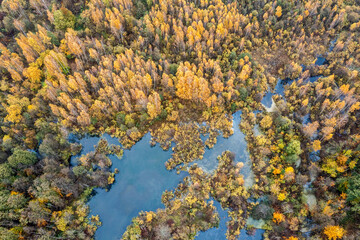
<point x="179" y="119"/>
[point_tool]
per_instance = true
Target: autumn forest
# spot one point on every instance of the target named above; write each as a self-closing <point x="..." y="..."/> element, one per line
<point x="179" y="70"/>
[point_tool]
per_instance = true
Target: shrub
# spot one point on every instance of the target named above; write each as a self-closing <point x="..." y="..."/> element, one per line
<point x="64" y="19"/>
<point x="22" y="158"/>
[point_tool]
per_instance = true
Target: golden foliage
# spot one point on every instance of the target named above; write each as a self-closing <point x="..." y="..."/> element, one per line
<point x="292" y="238"/>
<point x="278" y="12"/>
<point x="154" y="105"/>
<point x="317" y="145"/>
<point x="334" y="232"/>
<point x="278" y="217"/>
<point x="281" y="196"/>
<point x="266" y="122"/>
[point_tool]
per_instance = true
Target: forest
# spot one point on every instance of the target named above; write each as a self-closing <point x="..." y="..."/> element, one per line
<point x="179" y="69"/>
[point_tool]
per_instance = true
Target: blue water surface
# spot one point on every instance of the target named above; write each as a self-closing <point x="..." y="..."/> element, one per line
<point x="143" y="178"/>
<point x="280" y="85"/>
<point x="219" y="233"/>
<point x="138" y="187"/>
<point x="236" y="143"/>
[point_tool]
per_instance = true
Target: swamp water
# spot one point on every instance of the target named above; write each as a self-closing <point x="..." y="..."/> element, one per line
<point x="143" y="177"/>
<point x="138" y="186"/>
